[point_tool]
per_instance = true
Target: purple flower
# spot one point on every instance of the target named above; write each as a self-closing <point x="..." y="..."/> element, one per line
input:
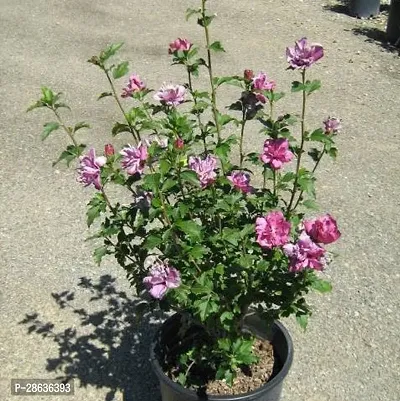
<point x="90" y="168"/>
<point x="261" y="82"/>
<point x="323" y="229"/>
<point x="276" y="152"/>
<point x="332" y="125"/>
<point x="161" y="278"/>
<point x="302" y="55"/>
<point x="204" y="169"/>
<point x="134" y="159"/>
<point x="305" y="254"/>
<point x="135" y="84"/>
<point x="272" y="230"/>
<point x="241" y="181"/>
<point x="171" y="95"/>
<point x="179" y="45"/>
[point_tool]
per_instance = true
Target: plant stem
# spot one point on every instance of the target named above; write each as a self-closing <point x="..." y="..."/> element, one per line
<point x="264" y="177"/>
<point x="66" y="129"/>
<point x="197" y="112"/>
<point x="303" y="113"/>
<point x="134" y="132"/>
<point x="313" y="171"/>
<point x="210" y="73"/>
<point x="241" y="137"/>
<point x="274" y="177"/>
<point x="108" y="201"/>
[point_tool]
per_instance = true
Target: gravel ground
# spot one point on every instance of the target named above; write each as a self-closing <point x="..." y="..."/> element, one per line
<point x="351" y="350"/>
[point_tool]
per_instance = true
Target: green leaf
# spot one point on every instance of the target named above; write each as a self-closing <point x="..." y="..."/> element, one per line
<point x="231" y="235"/>
<point x="312" y="86"/>
<point x="191" y="177"/>
<point x="118" y="128"/>
<point x="205" y="21"/>
<point x="192" y="11"/>
<point x="198" y="251"/>
<point x="216" y="46"/>
<point x="152" y="182"/>
<point x="205" y="306"/>
<point x="36" y="105"/>
<point x="233" y="80"/>
<point x="48" y="129"/>
<point x="333" y="152"/>
<point x="319" y="136"/>
<point x="225" y="343"/>
<point x="110" y="51"/>
<point x="320" y="285"/>
<point x="99" y="253"/>
<point x="168" y="184"/>
<point x="121" y="69"/>
<point x="224" y="119"/>
<point x="81" y="125"/>
<point x="302" y="320"/>
<point x="310" y="204"/>
<point x="72" y="152"/>
<point x="165" y="166"/>
<point x="152" y="241"/>
<point x="97" y="206"/>
<point x="190" y="228"/>
<point x="104" y="94"/>
<point x="297" y="86"/>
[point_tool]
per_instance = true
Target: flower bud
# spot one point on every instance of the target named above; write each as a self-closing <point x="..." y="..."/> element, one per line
<point x="179" y="143"/>
<point x="109" y="150"/>
<point x="248" y="75"/>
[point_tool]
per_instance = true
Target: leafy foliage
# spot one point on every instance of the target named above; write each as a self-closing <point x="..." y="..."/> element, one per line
<point x="204" y="229"/>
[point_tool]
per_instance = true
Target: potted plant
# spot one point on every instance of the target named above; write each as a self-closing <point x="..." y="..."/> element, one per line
<point x="364" y="8"/>
<point x="222" y="240"/>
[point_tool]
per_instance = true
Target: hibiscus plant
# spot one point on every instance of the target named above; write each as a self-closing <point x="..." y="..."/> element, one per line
<point x="200" y="230"/>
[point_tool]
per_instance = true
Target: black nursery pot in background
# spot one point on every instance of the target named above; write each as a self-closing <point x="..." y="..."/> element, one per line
<point x="364" y="8"/>
<point x="270" y="391"/>
<point x="393" y="25"/>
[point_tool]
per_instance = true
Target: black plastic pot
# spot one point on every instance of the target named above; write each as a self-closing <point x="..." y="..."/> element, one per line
<point x="270" y="391"/>
<point x="393" y="25"/>
<point x="364" y="8"/>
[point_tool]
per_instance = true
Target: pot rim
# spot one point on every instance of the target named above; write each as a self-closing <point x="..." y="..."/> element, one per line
<point x="277" y="379"/>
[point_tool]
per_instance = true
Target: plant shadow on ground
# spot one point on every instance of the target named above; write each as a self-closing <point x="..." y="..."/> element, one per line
<point x="112" y="350"/>
<point x="377" y="36"/>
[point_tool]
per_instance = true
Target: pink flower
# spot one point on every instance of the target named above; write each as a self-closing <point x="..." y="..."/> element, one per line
<point x="261" y="82"/>
<point x="135" y="84"/>
<point x="261" y="98"/>
<point x="90" y="169"/>
<point x="161" y="278"/>
<point x="134" y="159"/>
<point x="276" y="152"/>
<point x="179" y="45"/>
<point x="109" y="150"/>
<point x="272" y="230"/>
<point x="332" y="125"/>
<point x="302" y="56"/>
<point x="204" y="169"/>
<point x="171" y="95"/>
<point x="323" y="229"/>
<point x="305" y="254"/>
<point x="240" y="180"/>
<point x="179" y="143"/>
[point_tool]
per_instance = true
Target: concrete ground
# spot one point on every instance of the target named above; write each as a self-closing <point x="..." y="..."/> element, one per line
<point x="351" y="350"/>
